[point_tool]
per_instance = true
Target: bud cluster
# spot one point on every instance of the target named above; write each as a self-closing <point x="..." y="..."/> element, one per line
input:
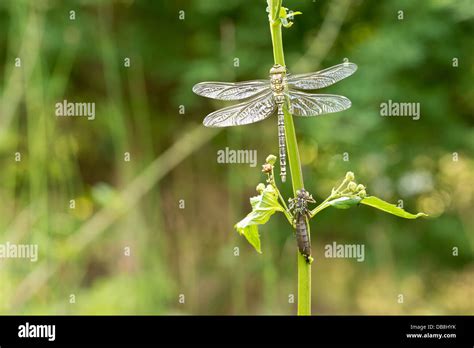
<point x="349" y="187"/>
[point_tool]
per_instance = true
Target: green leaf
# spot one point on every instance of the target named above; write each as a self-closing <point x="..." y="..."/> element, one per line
<point x="296" y="13"/>
<point x="263" y="206"/>
<point x="389" y="208"/>
<point x="252" y="236"/>
<point x="345" y="202"/>
<point x="286" y="16"/>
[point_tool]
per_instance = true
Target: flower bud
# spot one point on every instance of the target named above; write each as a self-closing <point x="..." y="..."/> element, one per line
<point x="267" y="168"/>
<point x="260" y="188"/>
<point x="362" y="194"/>
<point x="350" y="176"/>
<point x="360" y="187"/>
<point x="352" y="186"/>
<point x="271" y="159"/>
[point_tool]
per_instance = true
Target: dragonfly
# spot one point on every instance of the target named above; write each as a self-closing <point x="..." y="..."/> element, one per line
<point x="261" y="98"/>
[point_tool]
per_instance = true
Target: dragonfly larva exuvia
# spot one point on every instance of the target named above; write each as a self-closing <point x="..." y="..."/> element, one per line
<point x="299" y="207"/>
<point x="264" y="97"/>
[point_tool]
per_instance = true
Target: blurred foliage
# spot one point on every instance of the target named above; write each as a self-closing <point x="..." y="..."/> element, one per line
<point x="191" y="251"/>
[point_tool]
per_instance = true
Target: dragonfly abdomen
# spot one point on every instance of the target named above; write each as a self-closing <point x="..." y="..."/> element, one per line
<point x="282" y="142"/>
<point x="299" y="207"/>
<point x="302" y="236"/>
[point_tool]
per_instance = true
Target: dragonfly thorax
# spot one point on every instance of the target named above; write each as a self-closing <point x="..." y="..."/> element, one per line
<point x="299" y="204"/>
<point x="278" y="78"/>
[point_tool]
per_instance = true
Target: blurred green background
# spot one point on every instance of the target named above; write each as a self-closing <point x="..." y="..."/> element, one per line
<point x="137" y="204"/>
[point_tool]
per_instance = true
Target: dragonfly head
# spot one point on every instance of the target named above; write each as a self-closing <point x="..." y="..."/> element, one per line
<point x="277" y="77"/>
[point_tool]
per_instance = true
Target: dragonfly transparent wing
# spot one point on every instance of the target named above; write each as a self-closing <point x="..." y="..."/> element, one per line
<point x="322" y="78"/>
<point x="305" y="104"/>
<point x="229" y="90"/>
<point x="247" y="112"/>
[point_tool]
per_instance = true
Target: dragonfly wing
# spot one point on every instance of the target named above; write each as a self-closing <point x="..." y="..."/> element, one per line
<point x="247" y="112"/>
<point x="305" y="104"/>
<point x="229" y="90"/>
<point x="322" y="78"/>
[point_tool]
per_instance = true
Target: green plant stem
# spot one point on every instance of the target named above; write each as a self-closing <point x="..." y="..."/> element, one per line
<point x="320" y="207"/>
<point x="286" y="211"/>
<point x="304" y="268"/>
